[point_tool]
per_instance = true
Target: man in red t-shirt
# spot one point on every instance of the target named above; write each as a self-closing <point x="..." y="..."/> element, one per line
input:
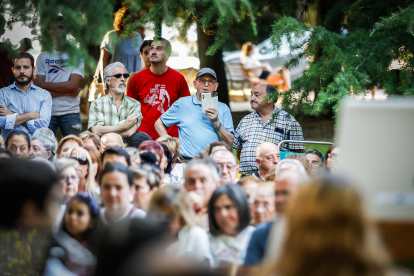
<point x="157" y="88"/>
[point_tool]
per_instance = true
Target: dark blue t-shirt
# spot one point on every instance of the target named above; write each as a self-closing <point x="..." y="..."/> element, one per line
<point x="257" y="245"/>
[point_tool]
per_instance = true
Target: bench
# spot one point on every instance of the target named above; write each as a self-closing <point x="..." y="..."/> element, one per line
<point x="238" y="78"/>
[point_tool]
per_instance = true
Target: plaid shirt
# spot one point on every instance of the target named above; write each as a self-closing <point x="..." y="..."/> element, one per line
<point x="251" y="132"/>
<point x="103" y="111"/>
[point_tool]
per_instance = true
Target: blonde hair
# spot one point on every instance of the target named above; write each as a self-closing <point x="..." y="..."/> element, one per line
<point x="172" y="143"/>
<point x="271" y="174"/>
<point x="90" y="135"/>
<point x="90" y="180"/>
<point x="176" y="199"/>
<point x="67" y="138"/>
<point x="246" y="48"/>
<point x="329" y="234"/>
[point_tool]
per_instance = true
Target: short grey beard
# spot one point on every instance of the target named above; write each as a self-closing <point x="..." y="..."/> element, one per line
<point x="119" y="89"/>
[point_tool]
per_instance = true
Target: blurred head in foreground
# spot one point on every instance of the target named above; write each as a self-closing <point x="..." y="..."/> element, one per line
<point x="329" y="233"/>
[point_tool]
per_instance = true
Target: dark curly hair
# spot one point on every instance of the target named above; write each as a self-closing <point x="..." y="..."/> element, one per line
<point x="122" y="13"/>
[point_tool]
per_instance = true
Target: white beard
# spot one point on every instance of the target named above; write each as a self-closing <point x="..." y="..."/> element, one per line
<point x="119" y="90"/>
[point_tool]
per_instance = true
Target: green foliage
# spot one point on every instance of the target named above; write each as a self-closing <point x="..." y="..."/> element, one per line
<point x="352" y="63"/>
<point x="216" y="17"/>
<point x="86" y="21"/>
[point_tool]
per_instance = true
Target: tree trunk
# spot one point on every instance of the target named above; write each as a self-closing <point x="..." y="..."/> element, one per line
<point x="214" y="62"/>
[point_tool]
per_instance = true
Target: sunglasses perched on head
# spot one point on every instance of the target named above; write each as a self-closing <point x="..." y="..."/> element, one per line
<point x="117" y="76"/>
<point x="81" y="160"/>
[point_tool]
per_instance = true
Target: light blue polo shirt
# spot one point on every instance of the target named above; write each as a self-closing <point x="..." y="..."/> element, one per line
<point x="196" y="132"/>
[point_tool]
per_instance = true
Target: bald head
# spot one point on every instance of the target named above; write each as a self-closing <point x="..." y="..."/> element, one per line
<point x="267" y="155"/>
<point x="287" y="183"/>
<point x="228" y="163"/>
<point x="110" y="140"/>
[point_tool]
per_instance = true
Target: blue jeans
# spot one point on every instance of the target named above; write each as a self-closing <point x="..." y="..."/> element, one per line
<point x="68" y="124"/>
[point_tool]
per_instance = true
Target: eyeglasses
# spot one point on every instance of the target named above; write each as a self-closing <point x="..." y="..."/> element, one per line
<point x="229" y="167"/>
<point x="117" y="76"/>
<point x="210" y="82"/>
<point x="333" y="156"/>
<point x="69" y="178"/>
<point x="81" y="160"/>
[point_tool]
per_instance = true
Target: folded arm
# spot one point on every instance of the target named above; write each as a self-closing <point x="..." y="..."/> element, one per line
<point x="67" y="88"/>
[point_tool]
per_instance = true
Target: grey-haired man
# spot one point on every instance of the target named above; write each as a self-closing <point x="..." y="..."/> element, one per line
<point x="197" y="130"/>
<point x="115" y="112"/>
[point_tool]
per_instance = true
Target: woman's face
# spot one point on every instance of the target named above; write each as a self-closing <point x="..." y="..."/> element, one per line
<point x="18" y="146"/>
<point x="82" y="169"/>
<point x="95" y="168"/>
<point x="226" y="216"/>
<point x="38" y="150"/>
<point x="163" y="163"/>
<point x="251" y="51"/>
<point x="66" y="146"/>
<point x="77" y="219"/>
<point x="69" y="179"/>
<point x="146" y="56"/>
<point x="332" y="160"/>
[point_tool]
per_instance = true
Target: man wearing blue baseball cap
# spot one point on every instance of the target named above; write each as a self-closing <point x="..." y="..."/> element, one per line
<point x="197" y="130"/>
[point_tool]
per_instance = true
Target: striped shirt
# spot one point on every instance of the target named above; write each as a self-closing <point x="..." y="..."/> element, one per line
<point x="103" y="111"/>
<point x="251" y="132"/>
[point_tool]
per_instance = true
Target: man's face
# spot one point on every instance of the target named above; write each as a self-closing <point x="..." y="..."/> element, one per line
<point x="263" y="205"/>
<point x="157" y="52"/>
<point x="314" y="162"/>
<point x="58" y="30"/>
<point x="114" y="158"/>
<point x="115" y="192"/>
<point x="205" y="84"/>
<point x="199" y="179"/>
<point x="118" y="84"/>
<point x="90" y="143"/>
<point x="23" y="71"/>
<point x="282" y="194"/>
<point x="257" y="95"/>
<point x="143" y="193"/>
<point x="228" y="166"/>
<point x="270" y="156"/>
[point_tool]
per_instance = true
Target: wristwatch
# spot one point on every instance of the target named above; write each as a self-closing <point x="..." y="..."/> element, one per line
<point x="217" y="128"/>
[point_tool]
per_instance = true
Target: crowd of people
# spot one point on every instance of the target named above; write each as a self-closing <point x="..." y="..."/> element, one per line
<point x="153" y="186"/>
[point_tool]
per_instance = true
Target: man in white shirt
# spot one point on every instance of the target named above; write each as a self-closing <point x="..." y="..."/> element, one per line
<point x="56" y="74"/>
<point x="117" y="187"/>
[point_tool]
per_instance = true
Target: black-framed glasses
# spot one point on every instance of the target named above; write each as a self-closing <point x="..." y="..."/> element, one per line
<point x="81" y="160"/>
<point x="117" y="76"/>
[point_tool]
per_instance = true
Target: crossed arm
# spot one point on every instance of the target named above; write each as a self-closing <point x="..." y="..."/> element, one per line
<point x="67" y="88"/>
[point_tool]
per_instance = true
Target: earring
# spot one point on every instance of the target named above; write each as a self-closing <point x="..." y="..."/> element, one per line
<point x="131" y="198"/>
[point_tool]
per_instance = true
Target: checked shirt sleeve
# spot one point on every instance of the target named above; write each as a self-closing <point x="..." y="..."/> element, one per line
<point x="237" y="143"/>
<point x="295" y="133"/>
<point x="96" y="117"/>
